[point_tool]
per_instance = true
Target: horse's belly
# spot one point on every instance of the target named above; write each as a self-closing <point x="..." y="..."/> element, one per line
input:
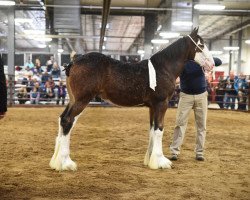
<point x="128" y="98"/>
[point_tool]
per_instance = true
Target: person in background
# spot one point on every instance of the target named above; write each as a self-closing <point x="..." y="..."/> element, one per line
<point x="231" y="93"/>
<point x="45" y="77"/>
<point x="61" y="93"/>
<point x="29" y="64"/>
<point x="22" y="95"/>
<point x="49" y="92"/>
<point x="35" y="94"/>
<point x="3" y="90"/>
<point x="220" y="92"/>
<point x="49" y="66"/>
<point x="193" y="96"/>
<point x="241" y="87"/>
<point x="38" y="67"/>
<point x="56" y="71"/>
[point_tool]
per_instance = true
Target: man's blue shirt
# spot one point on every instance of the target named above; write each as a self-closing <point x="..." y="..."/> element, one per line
<point x="192" y="79"/>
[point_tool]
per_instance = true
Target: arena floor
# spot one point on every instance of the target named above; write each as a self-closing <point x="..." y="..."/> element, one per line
<point x="109" y="145"/>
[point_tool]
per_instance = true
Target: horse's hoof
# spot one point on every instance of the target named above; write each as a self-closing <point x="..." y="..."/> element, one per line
<point x="69" y="165"/>
<point x="159" y="162"/>
<point x="63" y="164"/>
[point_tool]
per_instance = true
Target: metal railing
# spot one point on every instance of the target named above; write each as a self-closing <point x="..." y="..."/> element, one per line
<point x="216" y="101"/>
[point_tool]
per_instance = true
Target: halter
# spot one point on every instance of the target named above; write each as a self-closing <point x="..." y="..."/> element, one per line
<point x="205" y="69"/>
<point x="197" y="46"/>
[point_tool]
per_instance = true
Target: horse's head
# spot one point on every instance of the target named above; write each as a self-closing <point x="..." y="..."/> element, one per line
<point x="199" y="51"/>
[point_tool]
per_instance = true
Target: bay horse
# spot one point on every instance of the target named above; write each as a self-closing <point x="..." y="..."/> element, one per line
<point x="125" y="84"/>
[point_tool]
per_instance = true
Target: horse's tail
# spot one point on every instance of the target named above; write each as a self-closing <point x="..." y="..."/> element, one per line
<point x="73" y="57"/>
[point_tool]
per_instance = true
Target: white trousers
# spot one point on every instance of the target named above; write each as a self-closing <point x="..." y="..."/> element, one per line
<point x="199" y="104"/>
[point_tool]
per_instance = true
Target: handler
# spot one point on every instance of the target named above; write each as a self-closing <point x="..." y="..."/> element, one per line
<point x="193" y="95"/>
<point x="3" y="91"/>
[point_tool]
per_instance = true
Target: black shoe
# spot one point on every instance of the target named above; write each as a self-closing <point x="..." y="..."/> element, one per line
<point x="200" y="158"/>
<point x="174" y="157"/>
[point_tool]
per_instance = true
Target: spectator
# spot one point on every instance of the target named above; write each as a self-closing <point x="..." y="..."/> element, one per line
<point x="49" y="92"/>
<point x="242" y="90"/>
<point x="50" y="82"/>
<point x="35" y="94"/>
<point x="220" y="92"/>
<point x="231" y="92"/>
<point x="45" y="77"/>
<point x="29" y="71"/>
<point x="38" y="66"/>
<point x="29" y="82"/>
<point x="49" y="66"/>
<point x="209" y="88"/>
<point x="29" y="64"/>
<point x="37" y="75"/>
<point x="22" y="95"/>
<point x="56" y="71"/>
<point x="61" y="93"/>
<point x="3" y="91"/>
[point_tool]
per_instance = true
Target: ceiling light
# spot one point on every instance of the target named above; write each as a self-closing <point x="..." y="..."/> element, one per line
<point x="159" y="41"/>
<point x="140" y="51"/>
<point x="60" y="50"/>
<point x="7" y="3"/>
<point x="43" y="39"/>
<point x="34" y="32"/>
<point x="231" y="48"/>
<point x="182" y="23"/>
<point x="169" y="34"/>
<point x="23" y="20"/>
<point x="211" y="7"/>
<point x="159" y="27"/>
<point x="41" y="46"/>
<point x="216" y="52"/>
<point x="247" y="41"/>
<point x="103" y="47"/>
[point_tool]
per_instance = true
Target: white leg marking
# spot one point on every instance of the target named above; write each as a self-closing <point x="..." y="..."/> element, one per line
<point x="61" y="159"/>
<point x="150" y="147"/>
<point x="157" y="159"/>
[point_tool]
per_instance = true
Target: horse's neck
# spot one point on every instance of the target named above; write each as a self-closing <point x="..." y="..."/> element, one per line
<point x="176" y="63"/>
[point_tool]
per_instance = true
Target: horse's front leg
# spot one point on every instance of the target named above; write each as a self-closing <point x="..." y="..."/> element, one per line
<point x="61" y="158"/>
<point x="157" y="159"/>
<point x="151" y="134"/>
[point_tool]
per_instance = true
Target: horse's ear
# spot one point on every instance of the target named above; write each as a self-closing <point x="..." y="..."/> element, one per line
<point x="72" y="55"/>
<point x="195" y="31"/>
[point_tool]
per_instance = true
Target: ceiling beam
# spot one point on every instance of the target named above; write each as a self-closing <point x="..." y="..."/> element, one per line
<point x="231" y="30"/>
<point x="105" y="15"/>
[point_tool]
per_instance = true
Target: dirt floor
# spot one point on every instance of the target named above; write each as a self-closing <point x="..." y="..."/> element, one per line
<point x="109" y="145"/>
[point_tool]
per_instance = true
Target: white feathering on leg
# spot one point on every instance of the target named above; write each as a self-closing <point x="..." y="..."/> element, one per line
<point x="157" y="159"/>
<point x="61" y="159"/>
<point x="150" y="147"/>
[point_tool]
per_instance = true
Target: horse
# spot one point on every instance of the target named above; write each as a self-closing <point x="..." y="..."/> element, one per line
<point x="126" y="84"/>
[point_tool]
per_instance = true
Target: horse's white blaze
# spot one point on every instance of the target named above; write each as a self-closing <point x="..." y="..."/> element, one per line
<point x="61" y="159"/>
<point x="150" y="147"/>
<point x="157" y="159"/>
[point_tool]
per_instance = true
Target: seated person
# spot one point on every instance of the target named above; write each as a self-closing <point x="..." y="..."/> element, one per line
<point x="35" y="94"/>
<point x="22" y="95"/>
<point x="61" y="93"/>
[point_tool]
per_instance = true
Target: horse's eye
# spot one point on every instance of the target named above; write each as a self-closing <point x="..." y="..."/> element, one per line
<point x="201" y="46"/>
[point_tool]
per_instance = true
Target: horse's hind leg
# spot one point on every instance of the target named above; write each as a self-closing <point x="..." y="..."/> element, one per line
<point x="61" y="159"/>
